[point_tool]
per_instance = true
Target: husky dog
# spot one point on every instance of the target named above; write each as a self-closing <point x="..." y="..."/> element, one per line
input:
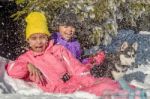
<point x="115" y="65"/>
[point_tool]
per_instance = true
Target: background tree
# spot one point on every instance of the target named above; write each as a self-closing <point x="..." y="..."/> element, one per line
<point x="99" y="19"/>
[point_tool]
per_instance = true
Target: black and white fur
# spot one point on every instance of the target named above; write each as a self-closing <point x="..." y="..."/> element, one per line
<point x="115" y="65"/>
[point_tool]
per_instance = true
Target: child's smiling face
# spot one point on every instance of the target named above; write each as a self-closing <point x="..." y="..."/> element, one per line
<point x="67" y="32"/>
<point x="38" y="42"/>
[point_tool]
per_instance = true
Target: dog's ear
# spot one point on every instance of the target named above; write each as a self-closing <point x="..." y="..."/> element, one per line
<point x="124" y="46"/>
<point x="135" y="45"/>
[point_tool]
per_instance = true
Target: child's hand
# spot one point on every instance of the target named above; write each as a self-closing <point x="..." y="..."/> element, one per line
<point x="36" y="74"/>
<point x="99" y="57"/>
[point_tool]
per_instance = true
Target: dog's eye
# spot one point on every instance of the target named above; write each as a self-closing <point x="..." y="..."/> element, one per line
<point x="133" y="55"/>
<point x="130" y="54"/>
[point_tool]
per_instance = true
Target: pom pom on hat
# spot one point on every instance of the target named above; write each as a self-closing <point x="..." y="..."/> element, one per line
<point x="36" y="23"/>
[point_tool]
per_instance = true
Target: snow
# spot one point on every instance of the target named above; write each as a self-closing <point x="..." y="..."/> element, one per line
<point x="144" y="32"/>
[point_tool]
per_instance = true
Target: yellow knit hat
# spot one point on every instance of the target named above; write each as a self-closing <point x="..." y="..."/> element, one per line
<point x="36" y="23"/>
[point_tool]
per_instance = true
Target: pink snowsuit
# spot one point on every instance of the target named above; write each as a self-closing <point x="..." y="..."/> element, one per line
<point x="54" y="62"/>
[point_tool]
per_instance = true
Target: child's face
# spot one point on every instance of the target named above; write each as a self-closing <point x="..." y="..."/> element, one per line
<point x="67" y="32"/>
<point x="38" y="42"/>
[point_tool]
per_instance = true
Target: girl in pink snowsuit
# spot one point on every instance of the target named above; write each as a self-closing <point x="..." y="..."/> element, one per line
<point x="51" y="66"/>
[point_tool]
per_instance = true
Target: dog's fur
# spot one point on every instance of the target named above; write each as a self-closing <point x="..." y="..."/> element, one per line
<point x="115" y="65"/>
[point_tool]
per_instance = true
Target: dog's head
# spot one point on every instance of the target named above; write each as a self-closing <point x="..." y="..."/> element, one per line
<point x="128" y="53"/>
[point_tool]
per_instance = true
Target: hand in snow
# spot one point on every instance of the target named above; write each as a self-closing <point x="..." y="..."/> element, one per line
<point x="65" y="77"/>
<point x="36" y="74"/>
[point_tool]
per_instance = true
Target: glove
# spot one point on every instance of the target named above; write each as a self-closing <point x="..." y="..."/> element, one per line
<point x="99" y="57"/>
<point x="95" y="60"/>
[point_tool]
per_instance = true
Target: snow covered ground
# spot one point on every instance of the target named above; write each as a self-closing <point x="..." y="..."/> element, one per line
<point x="18" y="89"/>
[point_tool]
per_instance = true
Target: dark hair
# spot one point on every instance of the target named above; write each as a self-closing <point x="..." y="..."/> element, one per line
<point x="68" y="19"/>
